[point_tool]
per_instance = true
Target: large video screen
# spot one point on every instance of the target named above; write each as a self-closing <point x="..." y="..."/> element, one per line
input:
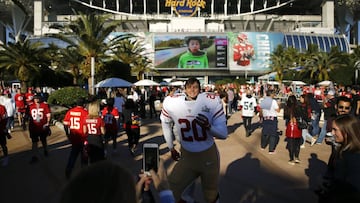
<point x="178" y="51"/>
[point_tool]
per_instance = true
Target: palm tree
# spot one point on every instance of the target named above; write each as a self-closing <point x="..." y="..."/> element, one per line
<point x="131" y="51"/>
<point x="321" y="63"/>
<point x="141" y="66"/>
<point x="282" y="59"/>
<point x="67" y="59"/>
<point x="354" y="62"/>
<point x="90" y="35"/>
<point x="24" y="60"/>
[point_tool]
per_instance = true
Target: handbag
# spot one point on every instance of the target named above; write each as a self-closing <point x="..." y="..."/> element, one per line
<point x="301" y="123"/>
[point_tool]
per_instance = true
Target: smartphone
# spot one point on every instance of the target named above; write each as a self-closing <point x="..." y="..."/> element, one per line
<point x="150" y="157"/>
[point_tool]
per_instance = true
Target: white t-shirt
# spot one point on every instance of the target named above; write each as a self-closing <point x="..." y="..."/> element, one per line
<point x="272" y="111"/>
<point x="182" y="113"/>
<point x="248" y="106"/>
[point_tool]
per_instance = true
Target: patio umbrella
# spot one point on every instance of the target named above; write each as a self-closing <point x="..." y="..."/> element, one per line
<point x="146" y="82"/>
<point x="298" y="82"/>
<point x="177" y="83"/>
<point x="164" y="83"/>
<point x="113" y="82"/>
<point x="325" y="83"/>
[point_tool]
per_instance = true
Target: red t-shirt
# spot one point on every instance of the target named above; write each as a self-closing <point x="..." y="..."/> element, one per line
<point x="110" y="120"/>
<point x="38" y="116"/>
<point x="94" y="125"/>
<point x="75" y="120"/>
<point x="20" y="102"/>
<point x="29" y="98"/>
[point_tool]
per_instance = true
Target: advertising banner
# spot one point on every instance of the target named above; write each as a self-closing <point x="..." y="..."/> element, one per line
<point x="250" y="51"/>
<point x="190" y="51"/>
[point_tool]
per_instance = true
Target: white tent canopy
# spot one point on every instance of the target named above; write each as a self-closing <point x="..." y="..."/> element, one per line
<point x="146" y="82"/>
<point x="325" y="83"/>
<point x="298" y="82"/>
<point x="113" y="82"/>
<point x="177" y="83"/>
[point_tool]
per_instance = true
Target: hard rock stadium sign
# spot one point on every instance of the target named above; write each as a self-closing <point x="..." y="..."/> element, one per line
<point x="185" y="7"/>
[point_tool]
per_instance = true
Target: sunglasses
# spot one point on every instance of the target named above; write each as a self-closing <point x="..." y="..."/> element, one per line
<point x="344" y="107"/>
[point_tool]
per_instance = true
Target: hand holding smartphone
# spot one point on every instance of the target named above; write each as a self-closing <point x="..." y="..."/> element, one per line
<point x="150" y="157"/>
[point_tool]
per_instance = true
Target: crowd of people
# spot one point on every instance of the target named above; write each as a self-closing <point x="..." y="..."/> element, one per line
<point x="194" y="118"/>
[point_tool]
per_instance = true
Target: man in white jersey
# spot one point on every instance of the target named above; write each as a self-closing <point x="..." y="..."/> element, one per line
<point x="248" y="105"/>
<point x="198" y="118"/>
<point x="269" y="108"/>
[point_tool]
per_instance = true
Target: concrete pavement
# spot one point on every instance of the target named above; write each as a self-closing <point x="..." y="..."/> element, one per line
<point x="248" y="174"/>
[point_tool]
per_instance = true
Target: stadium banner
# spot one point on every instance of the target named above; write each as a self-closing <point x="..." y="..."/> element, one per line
<point x="197" y="51"/>
<point x="250" y="51"/>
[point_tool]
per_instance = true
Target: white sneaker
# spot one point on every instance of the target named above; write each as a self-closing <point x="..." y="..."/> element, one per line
<point x="302" y="146"/>
<point x="313" y="140"/>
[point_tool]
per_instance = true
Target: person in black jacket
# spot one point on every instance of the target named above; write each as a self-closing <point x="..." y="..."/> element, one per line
<point x="342" y="179"/>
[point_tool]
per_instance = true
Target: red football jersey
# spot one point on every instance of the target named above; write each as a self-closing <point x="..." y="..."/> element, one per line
<point x="38" y="116"/>
<point x="94" y="125"/>
<point x="29" y="98"/>
<point x="75" y="120"/>
<point x="20" y="102"/>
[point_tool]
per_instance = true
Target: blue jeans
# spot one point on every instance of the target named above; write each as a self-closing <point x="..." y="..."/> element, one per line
<point x="315" y="119"/>
<point x="305" y="134"/>
<point x="230" y="103"/>
<point x="322" y="133"/>
<point x="269" y="135"/>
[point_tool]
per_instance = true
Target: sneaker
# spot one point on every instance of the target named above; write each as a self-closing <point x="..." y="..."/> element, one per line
<point x="34" y="160"/>
<point x="318" y="143"/>
<point x="5" y="161"/>
<point x="313" y="140"/>
<point x="297" y="160"/>
<point x="272" y="152"/>
<point x="8" y="136"/>
<point x="302" y="146"/>
<point x="291" y="162"/>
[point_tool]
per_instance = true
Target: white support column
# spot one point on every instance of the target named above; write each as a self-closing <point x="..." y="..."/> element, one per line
<point x="92" y="88"/>
<point x="328" y="14"/>
<point x="225" y="8"/>
<point x="131" y="6"/>
<point x="144" y="2"/>
<point x="158" y="8"/>
<point x="212" y="8"/>
<point x="38" y="13"/>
